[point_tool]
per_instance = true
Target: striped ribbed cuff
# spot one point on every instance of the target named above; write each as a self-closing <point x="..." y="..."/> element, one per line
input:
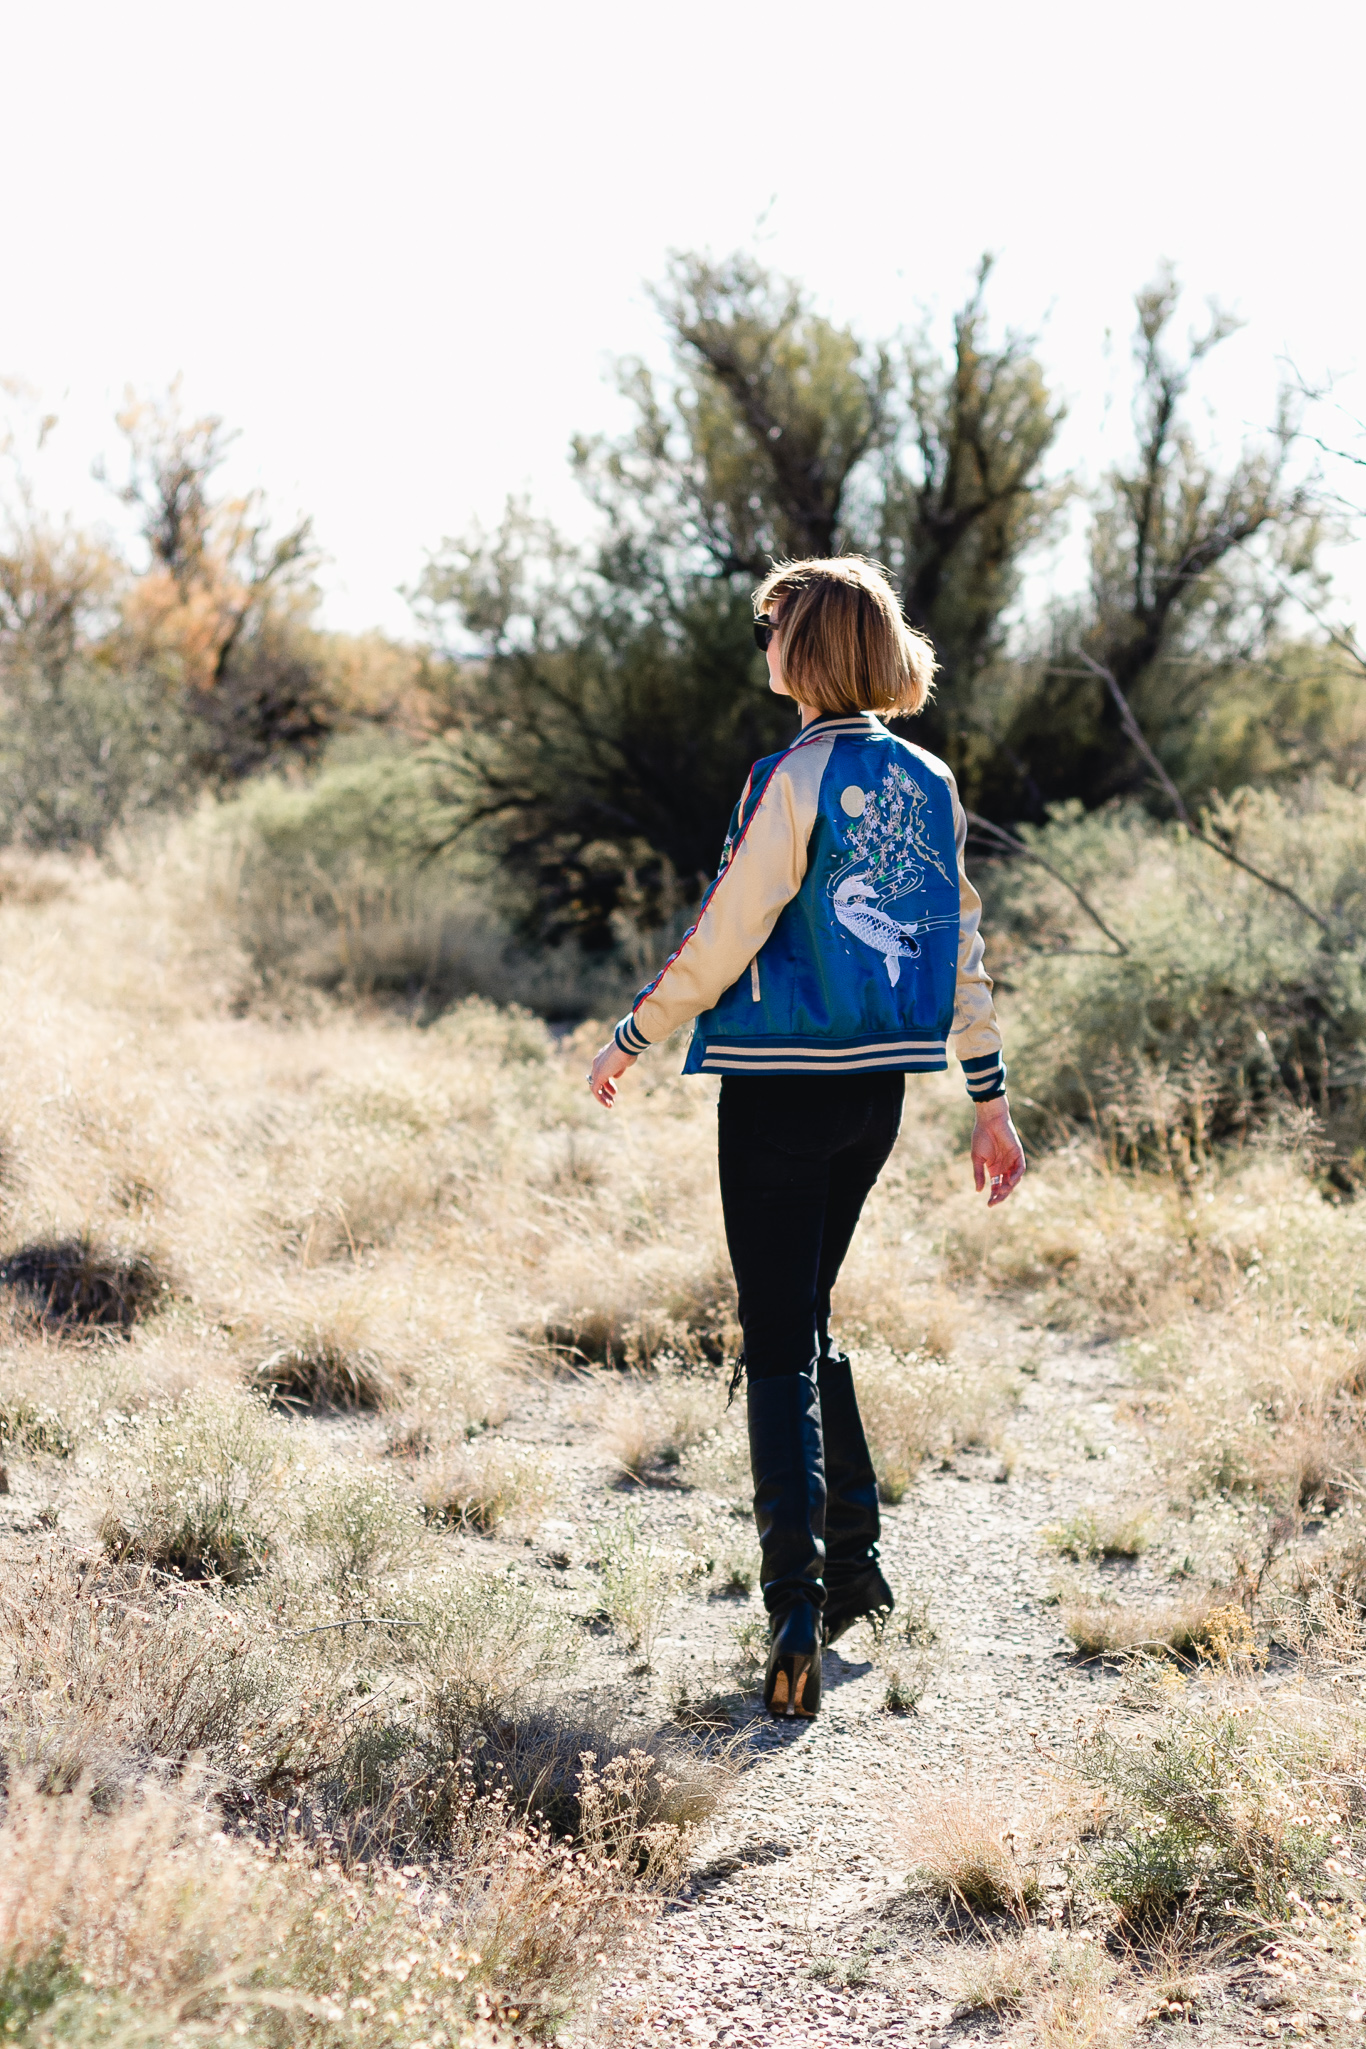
<point x="629" y="1036"/>
<point x="985" y="1077"/>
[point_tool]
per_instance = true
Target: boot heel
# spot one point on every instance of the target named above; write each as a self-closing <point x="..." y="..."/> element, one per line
<point x="796" y="1689"/>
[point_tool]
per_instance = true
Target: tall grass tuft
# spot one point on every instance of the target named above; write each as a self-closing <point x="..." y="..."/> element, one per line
<point x="962" y="1850"/>
<point x="321" y="1374"/>
<point x="639" y="1579"/>
<point x="199" y="1489"/>
<point x="653" y="1420"/>
<point x="77" y="1283"/>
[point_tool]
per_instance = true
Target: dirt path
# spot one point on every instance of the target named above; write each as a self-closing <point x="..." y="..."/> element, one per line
<point x="798" y="1927"/>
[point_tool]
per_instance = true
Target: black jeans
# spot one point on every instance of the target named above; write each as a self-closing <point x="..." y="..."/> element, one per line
<point x="798" y="1155"/>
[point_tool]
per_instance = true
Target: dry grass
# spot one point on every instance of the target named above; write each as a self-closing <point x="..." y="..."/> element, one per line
<point x="915" y="1405"/>
<point x="207" y="1207"/>
<point x="481" y="1486"/>
<point x="650" y="1421"/>
<point x="149" y="1924"/>
<point x="75" y="1284"/>
<point x="1241" y="1293"/>
<point x="320" y="1372"/>
<point x="1099" y="1533"/>
<point x="1060" y="1986"/>
<point x="1102" y="1627"/>
<point x="962" y="1849"/>
<point x="349" y="1203"/>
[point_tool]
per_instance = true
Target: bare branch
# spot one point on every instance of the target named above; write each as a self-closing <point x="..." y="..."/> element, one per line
<point x="1136" y="734"/>
<point x="356" y="1622"/>
<point x="1340" y="636"/>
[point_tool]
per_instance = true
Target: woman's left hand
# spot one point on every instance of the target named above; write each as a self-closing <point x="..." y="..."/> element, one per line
<point x="607" y="1066"/>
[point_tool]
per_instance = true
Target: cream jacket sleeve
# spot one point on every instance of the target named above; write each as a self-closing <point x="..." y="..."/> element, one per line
<point x="763" y="869"/>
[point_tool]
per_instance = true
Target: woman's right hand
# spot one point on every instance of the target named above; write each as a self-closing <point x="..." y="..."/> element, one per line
<point x="608" y="1066"/>
<point x="997" y="1154"/>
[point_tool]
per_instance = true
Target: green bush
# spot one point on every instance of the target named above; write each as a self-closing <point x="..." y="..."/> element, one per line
<point x="1230" y="1011"/>
<point x="340" y="883"/>
<point x="1228" y="1800"/>
<point x="85" y="748"/>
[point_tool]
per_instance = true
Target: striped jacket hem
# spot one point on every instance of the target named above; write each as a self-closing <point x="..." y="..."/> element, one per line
<point x="759" y="1056"/>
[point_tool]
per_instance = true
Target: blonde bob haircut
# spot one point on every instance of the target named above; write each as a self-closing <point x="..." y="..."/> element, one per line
<point x="842" y="641"/>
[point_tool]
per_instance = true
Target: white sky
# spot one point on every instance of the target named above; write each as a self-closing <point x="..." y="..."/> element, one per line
<point x="397" y="246"/>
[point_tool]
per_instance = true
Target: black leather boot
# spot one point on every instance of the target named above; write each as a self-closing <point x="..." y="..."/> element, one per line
<point x="789" y="1512"/>
<point x="854" y="1583"/>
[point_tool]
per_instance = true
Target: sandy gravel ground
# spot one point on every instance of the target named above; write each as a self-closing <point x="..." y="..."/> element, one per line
<point x="798" y="1929"/>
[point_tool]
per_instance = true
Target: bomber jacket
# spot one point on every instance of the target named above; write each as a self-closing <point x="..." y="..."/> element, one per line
<point x="841" y="931"/>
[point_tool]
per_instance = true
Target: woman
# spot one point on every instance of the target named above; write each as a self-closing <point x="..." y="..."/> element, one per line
<point x="835" y="953"/>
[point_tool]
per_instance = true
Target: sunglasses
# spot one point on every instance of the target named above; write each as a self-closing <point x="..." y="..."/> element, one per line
<point x="764" y="630"/>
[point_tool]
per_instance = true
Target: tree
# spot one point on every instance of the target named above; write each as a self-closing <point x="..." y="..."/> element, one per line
<point x="600" y="744"/>
<point x="1190" y="571"/>
<point x="56" y="585"/>
<point x="622" y="702"/>
<point x="85" y="742"/>
<point x="964" y="498"/>
<point x="223" y="604"/>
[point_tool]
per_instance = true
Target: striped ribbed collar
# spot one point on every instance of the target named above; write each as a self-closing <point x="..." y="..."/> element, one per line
<point x="865" y="722"/>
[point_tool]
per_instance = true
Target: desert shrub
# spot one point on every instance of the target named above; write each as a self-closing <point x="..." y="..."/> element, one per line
<point x="1235" y="1797"/>
<point x="1231" y="1011"/>
<point x="199" y="1489"/>
<point x="638" y="1798"/>
<point x="30" y="1424"/>
<point x="480" y="1485"/>
<point x="85" y="749"/>
<point x="751" y="1639"/>
<point x="1332" y="1581"/>
<point x="485" y="1645"/>
<point x="719" y="1464"/>
<point x="77" y="1283"/>
<point x="110" y="1678"/>
<point x="726" y="1554"/>
<point x="639" y="1578"/>
<point x="339" y="882"/>
<point x="357" y="1528"/>
<point x="149" y="1924"/>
